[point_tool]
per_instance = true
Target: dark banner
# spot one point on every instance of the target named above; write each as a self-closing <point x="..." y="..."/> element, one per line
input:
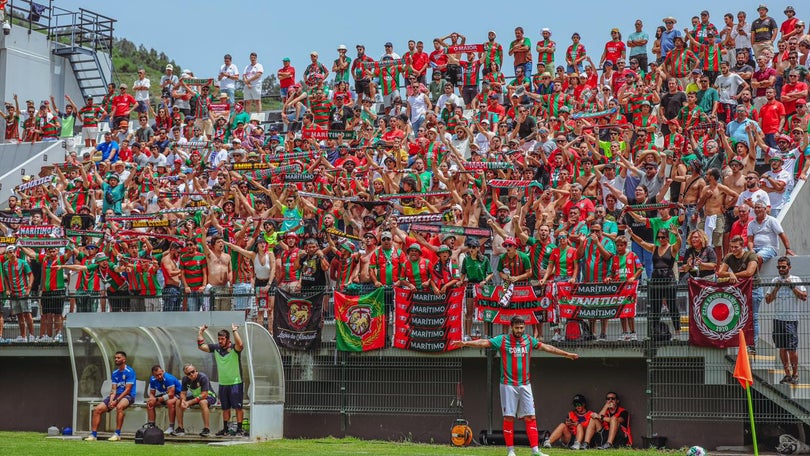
<point x="718" y="312"/>
<point x="360" y="321"/>
<point x="297" y="320"/>
<point x="426" y="322"/>
<point x="527" y="302"/>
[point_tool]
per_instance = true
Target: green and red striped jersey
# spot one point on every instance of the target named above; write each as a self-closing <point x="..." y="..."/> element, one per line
<point x="493" y="52"/>
<point x="416" y="273"/>
<point x="52" y="279"/>
<point x="596" y="265"/>
<point x="517" y="265"/>
<point x="192" y="265"/>
<point x="288" y="258"/>
<point x="386" y="265"/>
<point x="90" y="115"/>
<point x="516" y="356"/>
<point x="624" y="267"/>
<point x="15" y="276"/>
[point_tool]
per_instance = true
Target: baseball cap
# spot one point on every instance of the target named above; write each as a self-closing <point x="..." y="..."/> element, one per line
<point x="285" y="59"/>
<point x="170" y="67"/>
<point x="387" y="44"/>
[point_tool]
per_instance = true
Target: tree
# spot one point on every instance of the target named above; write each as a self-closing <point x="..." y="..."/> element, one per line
<point x="270" y="86"/>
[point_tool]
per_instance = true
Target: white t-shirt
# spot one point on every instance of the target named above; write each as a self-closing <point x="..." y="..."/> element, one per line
<point x="141" y="95"/>
<point x="778" y="199"/>
<point x="765" y="234"/>
<point x="228" y="83"/>
<point x="755" y="196"/>
<point x="727" y="87"/>
<point x="786" y="303"/>
<point x="253" y="70"/>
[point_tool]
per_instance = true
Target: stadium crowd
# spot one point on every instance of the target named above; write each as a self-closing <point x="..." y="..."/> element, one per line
<point x="654" y="157"/>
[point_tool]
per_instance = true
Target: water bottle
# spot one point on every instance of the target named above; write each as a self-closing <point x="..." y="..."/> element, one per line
<point x="246" y="425"/>
<point x="53" y="431"/>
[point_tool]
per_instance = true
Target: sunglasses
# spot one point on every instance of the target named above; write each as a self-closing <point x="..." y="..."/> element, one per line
<point x="193" y="371"/>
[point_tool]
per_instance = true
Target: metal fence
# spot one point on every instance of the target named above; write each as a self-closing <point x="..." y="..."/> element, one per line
<point x="684" y="382"/>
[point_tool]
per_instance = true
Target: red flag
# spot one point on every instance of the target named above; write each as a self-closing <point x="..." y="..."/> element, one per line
<point x="742" y="370"/>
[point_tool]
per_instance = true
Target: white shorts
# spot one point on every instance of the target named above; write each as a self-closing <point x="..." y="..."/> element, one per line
<point x="517" y="400"/>
<point x="89" y="133"/>
<point x="252" y="93"/>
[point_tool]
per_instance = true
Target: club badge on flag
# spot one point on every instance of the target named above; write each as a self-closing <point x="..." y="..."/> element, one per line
<point x="718" y="312"/>
<point x="360" y="321"/>
<point x="297" y="320"/>
<point x="530" y="303"/>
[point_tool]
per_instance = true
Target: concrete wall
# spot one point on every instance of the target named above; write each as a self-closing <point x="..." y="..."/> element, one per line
<point x="29" y="69"/>
<point x="17" y="160"/>
<point x="795" y="218"/>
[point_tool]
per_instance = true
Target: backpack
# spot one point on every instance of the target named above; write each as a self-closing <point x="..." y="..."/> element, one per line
<point x="149" y="435"/>
<point x="577" y="331"/>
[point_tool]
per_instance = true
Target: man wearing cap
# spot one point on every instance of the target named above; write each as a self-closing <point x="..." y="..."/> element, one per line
<point x="415" y="271"/>
<point x="340" y="115"/>
<point x="341" y="65"/>
<point x="286" y="77"/>
<point x="668" y="36"/>
<point x="252" y="77"/>
<point x="788" y="28"/>
<point x="91" y="115"/>
<point x="445" y="273"/>
<point x="763" y="31"/>
<point x="680" y="61"/>
<point x="167" y="82"/>
<point x="315" y="70"/>
<point x="637" y="42"/>
<point x="17" y="281"/>
<point x="615" y="50"/>
<point x="385" y="262"/>
<point x="546" y="48"/>
<point x="513" y="266"/>
<point x="202" y="109"/>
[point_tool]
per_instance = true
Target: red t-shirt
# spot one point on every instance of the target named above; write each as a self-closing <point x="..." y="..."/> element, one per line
<point x="420" y="61"/>
<point x="585" y="206"/>
<point x="613" y="51"/>
<point x="738" y="229"/>
<point x="287" y="82"/>
<point x="122" y="104"/>
<point x="790" y="106"/>
<point x="439" y="58"/>
<point x="769" y="116"/>
<point x="788" y="26"/>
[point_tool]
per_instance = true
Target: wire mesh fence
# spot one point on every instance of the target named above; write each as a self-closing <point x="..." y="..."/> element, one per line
<point x="684" y="381"/>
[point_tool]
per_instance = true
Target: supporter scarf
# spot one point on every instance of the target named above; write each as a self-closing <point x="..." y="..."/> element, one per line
<point x="339" y="233"/>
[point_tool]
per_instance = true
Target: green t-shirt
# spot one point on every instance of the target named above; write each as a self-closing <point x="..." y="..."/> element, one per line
<point x="657" y="224"/>
<point x="229" y="367"/>
<point x="476" y="270"/>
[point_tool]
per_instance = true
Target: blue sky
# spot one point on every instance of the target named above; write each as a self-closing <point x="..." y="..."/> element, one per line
<point x="278" y="29"/>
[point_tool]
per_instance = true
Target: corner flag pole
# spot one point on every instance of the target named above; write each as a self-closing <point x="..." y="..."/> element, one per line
<point x="742" y="372"/>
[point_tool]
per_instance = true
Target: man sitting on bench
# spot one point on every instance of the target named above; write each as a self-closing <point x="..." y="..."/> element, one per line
<point x="164" y="388"/>
<point x="195" y="390"/>
<point x="122" y="395"/>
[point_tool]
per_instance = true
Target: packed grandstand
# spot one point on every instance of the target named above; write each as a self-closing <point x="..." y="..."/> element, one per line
<point x="474" y="161"/>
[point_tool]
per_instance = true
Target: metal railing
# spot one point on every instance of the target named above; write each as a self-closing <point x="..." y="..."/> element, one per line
<point x="684" y="381"/>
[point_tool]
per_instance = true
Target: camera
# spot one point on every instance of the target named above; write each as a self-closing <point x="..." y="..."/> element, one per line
<point x="6" y="28"/>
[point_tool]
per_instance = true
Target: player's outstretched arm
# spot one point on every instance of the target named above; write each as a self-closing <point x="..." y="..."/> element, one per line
<point x="479" y="343"/>
<point x="556" y="351"/>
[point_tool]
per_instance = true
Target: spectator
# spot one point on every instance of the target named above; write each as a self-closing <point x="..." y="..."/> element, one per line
<point x="786" y="318"/>
<point x="252" y="77"/>
<point x="610" y="425"/>
<point x="571" y="432"/>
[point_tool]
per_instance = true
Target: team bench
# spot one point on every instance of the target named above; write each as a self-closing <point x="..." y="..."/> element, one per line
<point x="136" y="414"/>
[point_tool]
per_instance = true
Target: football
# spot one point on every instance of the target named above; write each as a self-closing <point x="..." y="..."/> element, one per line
<point x="696" y="451"/>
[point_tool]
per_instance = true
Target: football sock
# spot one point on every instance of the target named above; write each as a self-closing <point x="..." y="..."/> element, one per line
<point x="95" y="434"/>
<point x="509" y="433"/>
<point x="118" y="431"/>
<point x="531" y="432"/>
